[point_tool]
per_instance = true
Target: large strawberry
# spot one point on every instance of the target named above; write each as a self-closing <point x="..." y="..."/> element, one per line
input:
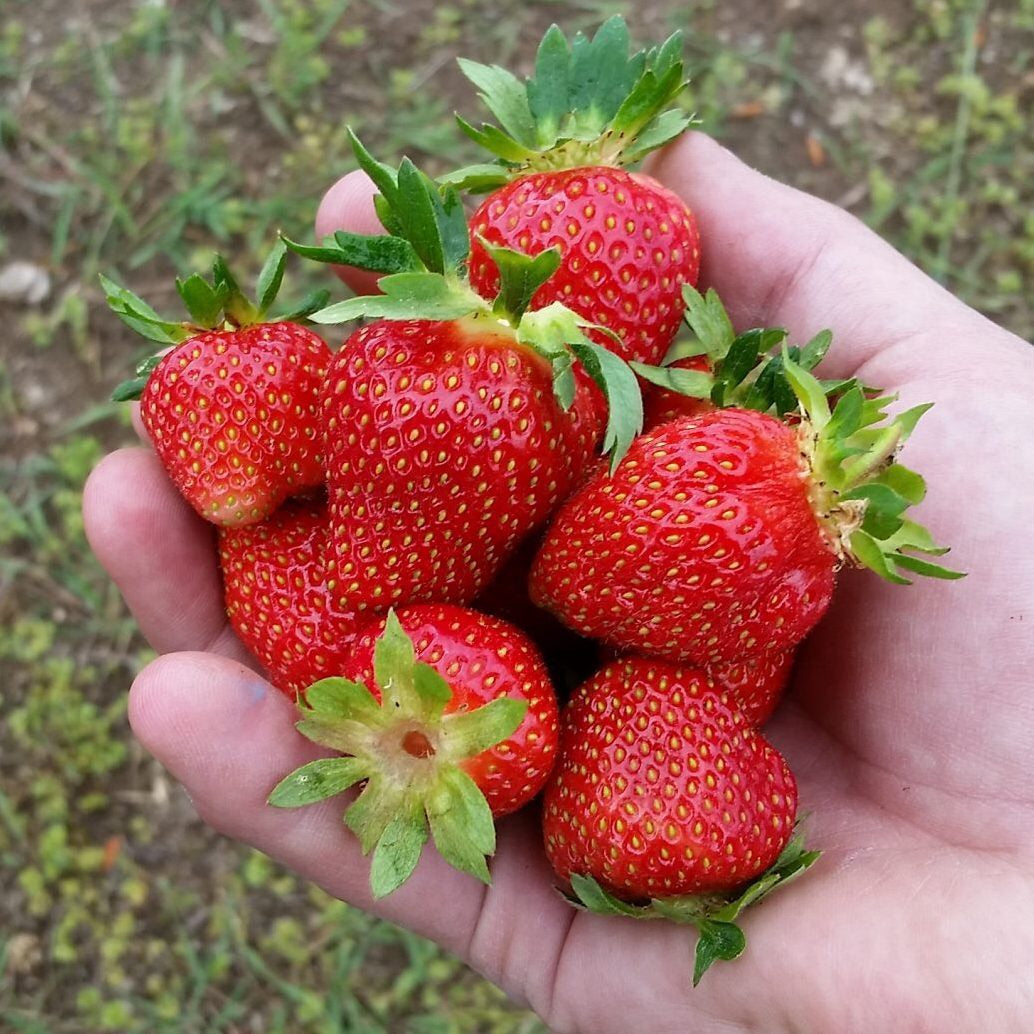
<point x="755" y="684"/>
<point x="232" y="409"/>
<point x="564" y="139"/>
<point x="718" y="537"/>
<point x="278" y="576"/>
<point x="453" y="426"/>
<point x="664" y="793"/>
<point x="442" y="743"/>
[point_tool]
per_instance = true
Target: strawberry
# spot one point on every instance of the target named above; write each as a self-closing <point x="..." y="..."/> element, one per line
<point x="718" y="537"/>
<point x="277" y="577"/>
<point x="434" y="751"/>
<point x="232" y="409"/>
<point x="628" y="244"/>
<point x="481" y="658"/>
<point x="453" y="427"/>
<point x="664" y="792"/>
<point x="755" y="684"/>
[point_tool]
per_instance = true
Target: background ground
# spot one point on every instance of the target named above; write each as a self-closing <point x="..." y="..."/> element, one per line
<point x="137" y="136"/>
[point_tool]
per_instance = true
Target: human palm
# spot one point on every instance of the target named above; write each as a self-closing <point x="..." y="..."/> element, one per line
<point x="908" y="726"/>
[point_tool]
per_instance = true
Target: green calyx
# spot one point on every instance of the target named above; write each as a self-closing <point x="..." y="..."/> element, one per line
<point x="860" y="494"/>
<point x="213" y="304"/>
<point x="741" y="369"/>
<point x="589" y="102"/>
<point x="714" y="915"/>
<point x="407" y="753"/>
<point x="423" y="260"/>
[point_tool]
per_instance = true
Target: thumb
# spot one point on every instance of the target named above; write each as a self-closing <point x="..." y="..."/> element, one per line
<point x="348" y="205"/>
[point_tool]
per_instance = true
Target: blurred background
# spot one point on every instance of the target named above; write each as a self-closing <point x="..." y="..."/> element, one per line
<point x="136" y="136"/>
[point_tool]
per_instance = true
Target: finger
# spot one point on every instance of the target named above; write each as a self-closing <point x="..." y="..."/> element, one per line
<point x="159" y="553"/>
<point x="229" y="739"/>
<point x="780" y="257"/>
<point x="348" y="205"/>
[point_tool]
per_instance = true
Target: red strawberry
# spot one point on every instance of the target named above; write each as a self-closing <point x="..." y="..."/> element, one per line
<point x="755" y="684"/>
<point x="662" y="405"/>
<point x="662" y="787"/>
<point x="232" y="410"/>
<point x="628" y="246"/>
<point x="453" y="426"/>
<point x="481" y="658"/>
<point x="717" y="538"/>
<point x="628" y="243"/>
<point x="277" y="576"/>
<point x="434" y="752"/>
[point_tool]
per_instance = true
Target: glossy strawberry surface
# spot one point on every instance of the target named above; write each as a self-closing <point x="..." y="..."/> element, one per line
<point x="662" y="787"/>
<point x="444" y="447"/>
<point x="481" y="658"/>
<point x="628" y="244"/>
<point x="703" y="545"/>
<point x="234" y="418"/>
<point x="756" y="684"/>
<point x="277" y="577"/>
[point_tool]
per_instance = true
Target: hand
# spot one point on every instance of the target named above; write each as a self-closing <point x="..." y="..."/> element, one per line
<point x="909" y="725"/>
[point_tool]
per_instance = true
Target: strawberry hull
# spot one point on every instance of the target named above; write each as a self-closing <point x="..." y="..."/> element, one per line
<point x="702" y="547"/>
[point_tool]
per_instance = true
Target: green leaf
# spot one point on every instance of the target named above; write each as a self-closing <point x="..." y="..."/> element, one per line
<point x="374" y="810"/>
<point x="397" y="852"/>
<point x="707" y="317"/>
<point x="694" y="383"/>
<point x="593" y="897"/>
<point x="496" y="141"/>
<point x="564" y="383"/>
<point x="318" y="780"/>
<point x="476" y="179"/>
<point x="417" y="214"/>
<point x="624" y="397"/>
<point x="236" y="306"/>
<point x="905" y="482"/>
<point x="345" y="735"/>
<point x="394" y="658"/>
<point x="847" y="415"/>
<point x="662" y="130"/>
<point x="130" y="391"/>
<point x="506" y="97"/>
<point x="924" y="567"/>
<point x="717" y="941"/>
<point x="312" y="302"/>
<point x="520" y="276"/>
<point x="376" y="254"/>
<point x="815" y="350"/>
<point x="465" y="734"/>
<point x="548" y="91"/>
<point x="343" y="698"/>
<point x="203" y="301"/>
<point x="384" y="177"/>
<point x="461" y="823"/>
<point x="907" y="421"/>
<point x="271" y="276"/>
<point x="868" y="552"/>
<point x="601" y="74"/>
<point x="809" y="392"/>
<point x="407" y="296"/>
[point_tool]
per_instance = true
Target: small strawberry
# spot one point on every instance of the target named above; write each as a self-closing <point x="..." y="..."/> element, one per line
<point x="435" y="752"/>
<point x="277" y="577"/>
<point x="481" y="658"/>
<point x="232" y="409"/>
<point x="628" y="244"/>
<point x="453" y="426"/>
<point x="663" y="792"/>
<point x="755" y="684"/>
<point x="718" y="537"/>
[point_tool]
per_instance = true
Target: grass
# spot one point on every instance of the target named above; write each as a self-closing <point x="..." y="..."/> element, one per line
<point x="137" y="138"/>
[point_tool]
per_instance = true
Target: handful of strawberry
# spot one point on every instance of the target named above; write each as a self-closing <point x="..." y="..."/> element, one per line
<point x="478" y="446"/>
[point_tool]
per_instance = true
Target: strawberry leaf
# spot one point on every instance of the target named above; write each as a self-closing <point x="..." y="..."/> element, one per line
<point x="407" y="296"/>
<point x="397" y="851"/>
<point x="461" y="824"/>
<point x="466" y="734"/>
<point x="376" y="254"/>
<point x="316" y="781"/>
<point x="203" y="301"/>
<point x="693" y="383"/>
<point x="270" y="277"/>
<point x="717" y="942"/>
<point x="520" y="276"/>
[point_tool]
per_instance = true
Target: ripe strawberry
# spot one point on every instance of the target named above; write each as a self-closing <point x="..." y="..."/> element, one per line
<point x="453" y="427"/>
<point x="481" y="658"/>
<point x="717" y="538"/>
<point x="662" y="787"/>
<point x="277" y="577"/>
<point x="564" y="135"/>
<point x="435" y="752"/>
<point x="755" y="684"/>
<point x="232" y="409"/>
<point x="664" y="795"/>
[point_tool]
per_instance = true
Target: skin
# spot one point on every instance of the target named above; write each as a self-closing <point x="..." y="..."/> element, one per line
<point x="909" y="723"/>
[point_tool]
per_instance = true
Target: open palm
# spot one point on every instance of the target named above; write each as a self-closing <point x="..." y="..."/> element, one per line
<point x="909" y="724"/>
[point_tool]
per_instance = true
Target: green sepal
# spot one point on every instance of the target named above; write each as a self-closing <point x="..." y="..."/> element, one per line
<point x="271" y="277"/>
<point x="587" y="102"/>
<point x="409" y="788"/>
<point x="316" y="781"/>
<point x="312" y="302"/>
<point x="520" y="276"/>
<point x="693" y="383"/>
<point x="382" y="254"/>
<point x="139" y="316"/>
<point x="129" y="390"/>
<point x="713" y="915"/>
<point x="407" y="296"/>
<point x="852" y="458"/>
<point x="203" y="301"/>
